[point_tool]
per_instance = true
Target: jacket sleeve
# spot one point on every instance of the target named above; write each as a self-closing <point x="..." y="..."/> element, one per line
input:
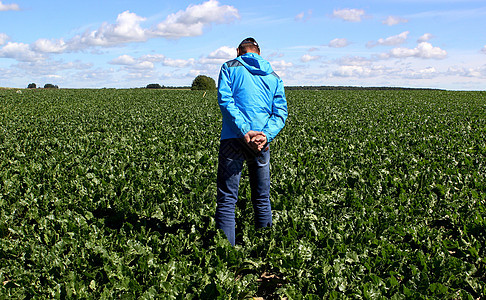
<point x="279" y="113"/>
<point x="231" y="113"/>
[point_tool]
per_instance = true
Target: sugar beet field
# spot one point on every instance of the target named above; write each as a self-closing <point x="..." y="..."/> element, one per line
<point x="110" y="194"/>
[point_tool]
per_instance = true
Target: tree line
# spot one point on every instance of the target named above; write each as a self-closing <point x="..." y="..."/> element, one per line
<point x="201" y="82"/>
<point x="46" y="86"/>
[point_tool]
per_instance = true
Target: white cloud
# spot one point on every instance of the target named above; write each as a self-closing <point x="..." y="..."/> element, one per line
<point x="338" y="43"/>
<point x="281" y="64"/>
<point x="219" y="56"/>
<point x="347" y="14"/>
<point x="98" y="76"/>
<point x="3" y="38"/>
<point x="147" y="61"/>
<point x="353" y="61"/>
<point x="127" y="29"/>
<point x="224" y="52"/>
<point x="392" y="20"/>
<point x="484" y="49"/>
<point x="423" y="50"/>
<point x="477" y="72"/>
<point x="300" y="16"/>
<point x="307" y="58"/>
<point x="78" y="65"/>
<point x="376" y="71"/>
<point x="177" y="63"/>
<point x="187" y="75"/>
<point x="357" y="71"/>
<point x="194" y="73"/>
<point x="390" y="41"/>
<point x="48" y="71"/>
<point x="153" y="57"/>
<point x="126" y="60"/>
<point x="192" y="21"/>
<point x="347" y="71"/>
<point x="6" y="7"/>
<point x="139" y="75"/>
<point x="143" y="65"/>
<point x="131" y="63"/>
<point x="427" y="73"/>
<point x="303" y="16"/>
<point x="425" y="38"/>
<point x="53" y="76"/>
<point x="49" y="46"/>
<point x="47" y="66"/>
<point x="20" y="52"/>
<point x="183" y="77"/>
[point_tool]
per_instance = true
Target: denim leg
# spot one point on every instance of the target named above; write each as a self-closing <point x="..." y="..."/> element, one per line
<point x="259" y="171"/>
<point x="230" y="165"/>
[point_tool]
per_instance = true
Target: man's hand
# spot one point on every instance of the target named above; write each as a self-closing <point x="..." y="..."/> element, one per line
<point x="250" y="135"/>
<point x="256" y="140"/>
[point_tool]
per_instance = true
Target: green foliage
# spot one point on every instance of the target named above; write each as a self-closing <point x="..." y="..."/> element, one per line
<point x="32" y="86"/>
<point x="50" y="86"/>
<point x="203" y="82"/>
<point x="111" y="194"/>
<point x="154" y="86"/>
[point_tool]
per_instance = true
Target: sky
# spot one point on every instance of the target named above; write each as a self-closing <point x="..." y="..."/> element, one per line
<point x="127" y="44"/>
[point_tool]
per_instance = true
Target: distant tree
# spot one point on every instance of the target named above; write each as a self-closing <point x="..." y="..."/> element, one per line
<point x="50" y="86"/>
<point x="154" y="86"/>
<point x="203" y="82"/>
<point x="32" y="86"/>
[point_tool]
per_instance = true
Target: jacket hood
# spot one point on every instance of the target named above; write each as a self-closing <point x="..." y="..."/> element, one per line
<point x="255" y="64"/>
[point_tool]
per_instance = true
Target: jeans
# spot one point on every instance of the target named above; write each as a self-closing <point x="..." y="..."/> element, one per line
<point x="232" y="154"/>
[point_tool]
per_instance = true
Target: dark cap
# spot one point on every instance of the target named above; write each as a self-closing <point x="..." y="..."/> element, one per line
<point x="249" y="40"/>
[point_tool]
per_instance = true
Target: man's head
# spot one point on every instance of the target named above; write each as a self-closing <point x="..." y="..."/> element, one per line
<point x="248" y="45"/>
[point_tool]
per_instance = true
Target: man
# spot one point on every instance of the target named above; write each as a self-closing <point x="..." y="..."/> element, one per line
<point x="252" y="101"/>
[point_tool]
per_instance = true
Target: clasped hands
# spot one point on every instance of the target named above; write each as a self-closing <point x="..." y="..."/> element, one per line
<point x="256" y="140"/>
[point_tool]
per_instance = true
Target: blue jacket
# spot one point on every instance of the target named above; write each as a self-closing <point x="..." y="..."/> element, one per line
<point x="251" y="97"/>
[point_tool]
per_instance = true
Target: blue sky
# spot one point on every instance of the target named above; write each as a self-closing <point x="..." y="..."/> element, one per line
<point x="123" y="44"/>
